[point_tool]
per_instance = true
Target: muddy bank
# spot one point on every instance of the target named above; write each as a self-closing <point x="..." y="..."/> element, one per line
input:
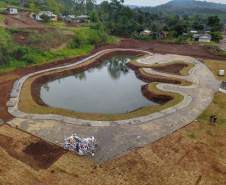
<point x="159" y="98"/>
<point x="170" y="68"/>
<point x="37" y="83"/>
<point x="150" y="78"/>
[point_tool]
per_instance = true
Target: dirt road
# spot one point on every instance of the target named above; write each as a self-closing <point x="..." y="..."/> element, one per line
<point x="22" y="20"/>
<point x="222" y="44"/>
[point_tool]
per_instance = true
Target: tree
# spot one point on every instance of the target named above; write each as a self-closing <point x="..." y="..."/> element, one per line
<point x="212" y="20"/>
<point x="200" y="27"/>
<point x="32" y="6"/>
<point x="217" y="36"/>
<point x="140" y="19"/>
<point x="154" y="28"/>
<point x="93" y="16"/>
<point x="165" y="28"/>
<point x="126" y="11"/>
<point x="54" y="6"/>
<point x="216" y="27"/>
<point x="45" y="17"/>
<point x="179" y="29"/>
<point x="35" y="11"/>
<point x="185" y="17"/>
<point x="7" y="46"/>
<point x="90" y="5"/>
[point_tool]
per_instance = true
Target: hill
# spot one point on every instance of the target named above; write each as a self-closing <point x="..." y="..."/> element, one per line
<point x="196" y="4"/>
<point x="190" y="8"/>
<point x="134" y="6"/>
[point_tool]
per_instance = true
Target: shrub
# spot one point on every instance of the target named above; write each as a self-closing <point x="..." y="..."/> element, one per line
<point x="29" y="58"/>
<point x="21" y="51"/>
<point x="69" y="20"/>
<point x="26" y="31"/>
<point x="180" y="38"/>
<point x="14" y="30"/>
<point x="45" y="17"/>
<point x="4" y="11"/>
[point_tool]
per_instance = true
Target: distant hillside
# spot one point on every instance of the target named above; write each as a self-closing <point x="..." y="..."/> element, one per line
<point x="134" y="6"/>
<point x="189" y="7"/>
<point x="196" y="4"/>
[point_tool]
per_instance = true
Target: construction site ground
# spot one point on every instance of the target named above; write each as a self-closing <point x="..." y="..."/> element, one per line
<point x="194" y="154"/>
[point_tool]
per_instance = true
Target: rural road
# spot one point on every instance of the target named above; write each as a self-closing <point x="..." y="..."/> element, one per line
<point x="222" y="44"/>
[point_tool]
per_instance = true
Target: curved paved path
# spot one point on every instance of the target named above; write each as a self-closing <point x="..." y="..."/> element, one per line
<point x="165" y="87"/>
<point x="118" y="139"/>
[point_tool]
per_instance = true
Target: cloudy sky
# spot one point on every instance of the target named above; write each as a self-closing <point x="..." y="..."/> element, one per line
<point x="154" y="2"/>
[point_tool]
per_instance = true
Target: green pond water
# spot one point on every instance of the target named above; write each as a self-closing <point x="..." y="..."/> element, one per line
<point x="109" y="88"/>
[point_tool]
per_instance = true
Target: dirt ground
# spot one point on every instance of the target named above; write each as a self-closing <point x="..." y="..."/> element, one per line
<point x="22" y="20"/>
<point x="175" y="159"/>
<point x="23" y="38"/>
<point x="173" y="68"/>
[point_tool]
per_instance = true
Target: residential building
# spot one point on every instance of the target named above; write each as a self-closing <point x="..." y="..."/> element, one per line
<point x="162" y="34"/>
<point x="52" y="16"/>
<point x="12" y="10"/>
<point x="145" y="33"/>
<point x="202" y="37"/>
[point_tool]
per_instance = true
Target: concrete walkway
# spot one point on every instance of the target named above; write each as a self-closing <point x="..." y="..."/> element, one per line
<point x="121" y="137"/>
<point x="156" y="59"/>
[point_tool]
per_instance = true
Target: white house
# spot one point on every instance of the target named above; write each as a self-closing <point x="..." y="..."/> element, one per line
<point x="82" y="18"/>
<point x="72" y="17"/>
<point x="52" y="16"/>
<point x="202" y="37"/>
<point x="193" y="31"/>
<point x="12" y="10"/>
<point x="145" y="33"/>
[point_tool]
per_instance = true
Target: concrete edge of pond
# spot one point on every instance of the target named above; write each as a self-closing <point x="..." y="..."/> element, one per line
<point x="164" y="87"/>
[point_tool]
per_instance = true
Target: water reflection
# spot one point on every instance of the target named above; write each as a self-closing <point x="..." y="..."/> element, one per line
<point x="46" y="87"/>
<point x="80" y="76"/>
<point x="110" y="87"/>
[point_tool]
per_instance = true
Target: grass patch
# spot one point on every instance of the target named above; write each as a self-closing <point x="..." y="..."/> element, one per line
<point x="222" y="53"/>
<point x="211" y="137"/>
<point x="8" y="77"/>
<point x="29" y="106"/>
<point x="86" y="24"/>
<point x="211" y="43"/>
<point x="217" y="107"/>
<point x="192" y="135"/>
<point x="12" y="66"/>
<point x="2" y="18"/>
<point x="53" y="23"/>
<point x="215" y="66"/>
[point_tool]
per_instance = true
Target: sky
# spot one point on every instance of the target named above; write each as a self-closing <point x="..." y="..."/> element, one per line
<point x="154" y="2"/>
